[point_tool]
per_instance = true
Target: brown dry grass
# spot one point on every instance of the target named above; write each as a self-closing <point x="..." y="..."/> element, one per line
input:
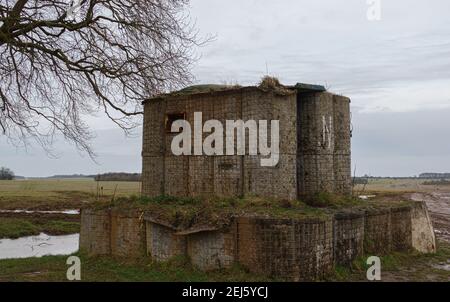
<point x="269" y="83"/>
<point x="58" y="194"/>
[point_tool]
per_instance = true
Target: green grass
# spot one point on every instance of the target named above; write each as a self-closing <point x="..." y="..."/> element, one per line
<point x="330" y="200"/>
<point x="185" y="212"/>
<point x="409" y="266"/>
<point x="11" y="227"/>
<point x="53" y="268"/>
<point x="254" y="204"/>
<point x="15" y="228"/>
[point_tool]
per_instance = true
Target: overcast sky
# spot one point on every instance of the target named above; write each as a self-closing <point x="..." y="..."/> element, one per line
<point x="395" y="70"/>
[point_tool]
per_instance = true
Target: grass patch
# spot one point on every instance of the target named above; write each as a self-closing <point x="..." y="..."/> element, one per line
<point x="341" y="273"/>
<point x="53" y="268"/>
<point x="186" y="212"/>
<point x="329" y="200"/>
<point x="18" y="227"/>
<point x="15" y="228"/>
<point x="410" y="266"/>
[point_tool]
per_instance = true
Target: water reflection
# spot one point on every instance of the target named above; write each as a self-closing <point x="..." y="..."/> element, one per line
<point x="38" y="246"/>
<point x="68" y="212"/>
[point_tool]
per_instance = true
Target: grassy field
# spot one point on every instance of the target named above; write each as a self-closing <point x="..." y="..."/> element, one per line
<point x="54" y="194"/>
<point x="399" y="186"/>
<point x="59" y="194"/>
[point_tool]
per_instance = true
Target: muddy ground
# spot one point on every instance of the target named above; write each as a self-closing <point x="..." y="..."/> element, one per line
<point x="438" y="204"/>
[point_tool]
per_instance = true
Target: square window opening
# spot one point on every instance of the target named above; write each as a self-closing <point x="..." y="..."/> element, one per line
<point x="171" y="118"/>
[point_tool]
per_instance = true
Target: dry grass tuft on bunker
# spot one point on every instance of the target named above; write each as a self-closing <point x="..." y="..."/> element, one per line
<point x="269" y="83"/>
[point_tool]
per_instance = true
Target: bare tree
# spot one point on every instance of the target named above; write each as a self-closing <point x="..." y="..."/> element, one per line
<point x="62" y="60"/>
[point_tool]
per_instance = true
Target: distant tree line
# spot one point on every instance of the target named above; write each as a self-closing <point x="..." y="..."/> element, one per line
<point x="435" y="175"/>
<point x="420" y="176"/>
<point x="6" y="174"/>
<point x="71" y="176"/>
<point x="118" y="176"/>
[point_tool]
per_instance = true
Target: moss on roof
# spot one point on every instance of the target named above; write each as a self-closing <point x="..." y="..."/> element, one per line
<point x="190" y="213"/>
<point x="197" y="89"/>
<point x="205" y="88"/>
<point x="267" y="84"/>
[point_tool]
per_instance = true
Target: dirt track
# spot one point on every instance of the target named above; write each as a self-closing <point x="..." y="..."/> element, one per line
<point x="438" y="204"/>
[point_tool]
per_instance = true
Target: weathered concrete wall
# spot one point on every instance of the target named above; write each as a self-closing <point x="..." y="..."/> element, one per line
<point x="211" y="250"/>
<point x="127" y="234"/>
<point x="342" y="145"/>
<point x="348" y="237"/>
<point x="164" y="173"/>
<point x="279" y="181"/>
<point x="117" y="233"/>
<point x="95" y="232"/>
<point x="377" y="232"/>
<point x="289" y="249"/>
<point x="423" y="238"/>
<point x="283" y="248"/>
<point x="401" y="228"/>
<point x="162" y="243"/>
<point x="314" y="146"/>
<point x="323" y="144"/>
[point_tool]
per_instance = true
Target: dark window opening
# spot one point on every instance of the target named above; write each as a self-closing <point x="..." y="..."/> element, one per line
<point x="171" y="118"/>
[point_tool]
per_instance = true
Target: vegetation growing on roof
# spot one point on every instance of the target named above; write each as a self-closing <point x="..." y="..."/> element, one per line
<point x="204" y="88"/>
<point x="217" y="212"/>
<point x="269" y="83"/>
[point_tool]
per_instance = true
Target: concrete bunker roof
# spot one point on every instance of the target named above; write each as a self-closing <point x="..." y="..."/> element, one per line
<point x="221" y="89"/>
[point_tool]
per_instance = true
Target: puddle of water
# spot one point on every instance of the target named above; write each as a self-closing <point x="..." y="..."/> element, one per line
<point x="68" y="212"/>
<point x="365" y="197"/>
<point x="38" y="246"/>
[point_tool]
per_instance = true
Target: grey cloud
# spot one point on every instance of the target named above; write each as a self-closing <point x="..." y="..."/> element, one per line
<point x="396" y="71"/>
<point x="402" y="144"/>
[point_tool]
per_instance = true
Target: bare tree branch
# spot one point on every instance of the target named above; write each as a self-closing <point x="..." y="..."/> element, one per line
<point x="62" y="60"/>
